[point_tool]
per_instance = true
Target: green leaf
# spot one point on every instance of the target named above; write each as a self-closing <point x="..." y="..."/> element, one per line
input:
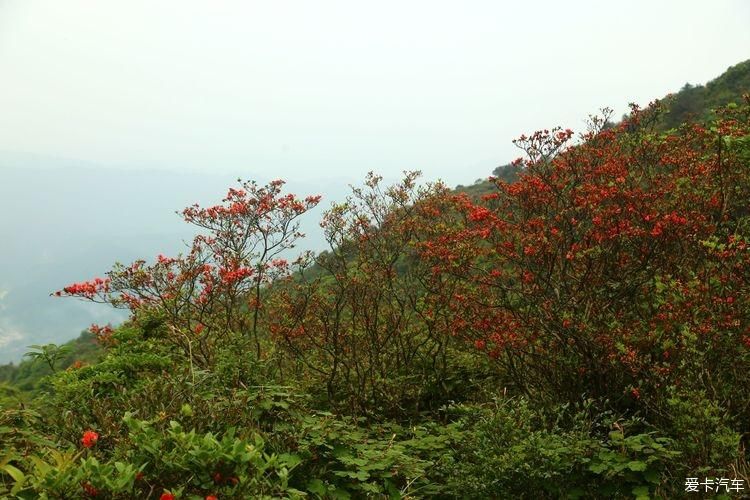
<point x="317" y="486"/>
<point x="641" y="492"/>
<point x="597" y="468"/>
<point x="340" y="494"/>
<point x="637" y="466"/>
<point x="652" y="476"/>
<point x="17" y="475"/>
<point x="186" y="410"/>
<point x="291" y="460"/>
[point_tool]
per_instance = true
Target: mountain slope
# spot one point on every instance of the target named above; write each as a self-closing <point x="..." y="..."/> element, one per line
<point x="693" y="103"/>
<point x="28" y="373"/>
<point x="696" y="102"/>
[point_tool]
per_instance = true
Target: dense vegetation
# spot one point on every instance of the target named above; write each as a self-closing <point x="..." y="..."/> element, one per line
<point x="582" y="331"/>
<point x="697" y="102"/>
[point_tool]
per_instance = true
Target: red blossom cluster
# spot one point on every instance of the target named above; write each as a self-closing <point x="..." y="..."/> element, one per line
<point x="89" y="489"/>
<point x="77" y="364"/>
<point x="89" y="439"/>
<point x="230" y="275"/>
<point x="103" y="333"/>
<point x="86" y="289"/>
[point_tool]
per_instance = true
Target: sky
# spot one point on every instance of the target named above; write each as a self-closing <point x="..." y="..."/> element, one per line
<point x="333" y="89"/>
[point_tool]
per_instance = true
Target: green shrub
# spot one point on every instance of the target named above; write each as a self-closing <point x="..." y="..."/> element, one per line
<point x="511" y="448"/>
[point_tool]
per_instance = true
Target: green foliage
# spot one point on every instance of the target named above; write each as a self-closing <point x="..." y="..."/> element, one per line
<point x="29" y="374"/>
<point x="704" y="433"/>
<point x="695" y="103"/>
<point x="49" y="354"/>
<point x="513" y="448"/>
<point x="137" y="374"/>
<point x="186" y="461"/>
<point x="146" y="459"/>
<point x="348" y="458"/>
<point x="20" y="431"/>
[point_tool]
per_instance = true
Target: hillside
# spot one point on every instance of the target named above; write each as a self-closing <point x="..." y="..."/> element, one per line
<point x="27" y="374"/>
<point x="693" y="103"/>
<point x="696" y="102"/>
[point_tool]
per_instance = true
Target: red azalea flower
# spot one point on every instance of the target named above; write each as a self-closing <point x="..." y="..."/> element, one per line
<point x="90" y="490"/>
<point x="212" y="497"/>
<point x="166" y="496"/>
<point x="89" y="439"/>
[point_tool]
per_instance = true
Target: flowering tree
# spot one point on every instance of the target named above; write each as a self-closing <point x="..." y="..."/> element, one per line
<point x="215" y="290"/>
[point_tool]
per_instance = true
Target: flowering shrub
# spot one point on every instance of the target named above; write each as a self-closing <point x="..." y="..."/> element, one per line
<point x="610" y="264"/>
<point x="200" y="294"/>
<point x="362" y="319"/>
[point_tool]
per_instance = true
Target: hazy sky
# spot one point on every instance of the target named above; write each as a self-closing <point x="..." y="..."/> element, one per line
<point x="335" y="88"/>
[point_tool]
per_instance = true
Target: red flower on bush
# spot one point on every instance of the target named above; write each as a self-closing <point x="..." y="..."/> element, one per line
<point x="212" y="497"/>
<point x="166" y="496"/>
<point x="89" y="489"/>
<point x="76" y="365"/>
<point x="89" y="439"/>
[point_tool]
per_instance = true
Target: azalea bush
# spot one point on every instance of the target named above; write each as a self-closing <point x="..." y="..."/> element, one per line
<point x="203" y="297"/>
<point x="363" y="322"/>
<point x="615" y="267"/>
<point x="167" y="464"/>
